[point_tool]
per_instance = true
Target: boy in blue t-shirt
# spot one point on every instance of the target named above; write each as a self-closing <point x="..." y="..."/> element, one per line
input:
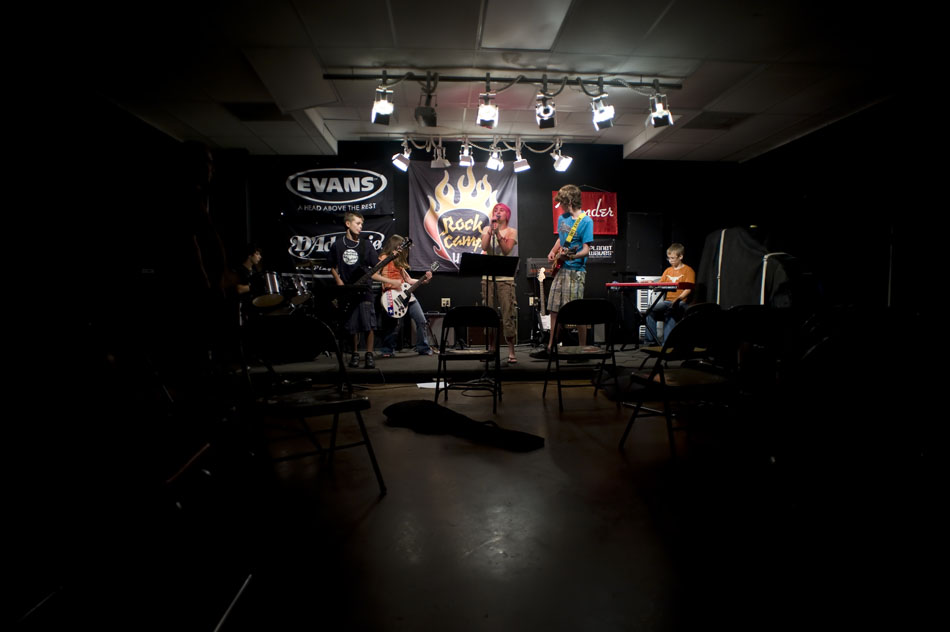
<point x="575" y="235"/>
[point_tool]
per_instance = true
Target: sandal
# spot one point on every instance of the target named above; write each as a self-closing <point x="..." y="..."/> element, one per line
<point x="512" y="360"/>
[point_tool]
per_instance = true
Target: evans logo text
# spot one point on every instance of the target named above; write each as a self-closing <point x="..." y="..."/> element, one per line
<point x="336" y="186"/>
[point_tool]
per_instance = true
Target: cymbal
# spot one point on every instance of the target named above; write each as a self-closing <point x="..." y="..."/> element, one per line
<point x="309" y="263"/>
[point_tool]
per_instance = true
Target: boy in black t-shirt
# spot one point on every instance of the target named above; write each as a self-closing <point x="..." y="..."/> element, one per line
<point x="347" y="257"/>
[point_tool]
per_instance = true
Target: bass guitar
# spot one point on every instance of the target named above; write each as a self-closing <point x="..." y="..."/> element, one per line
<point x="396" y="302"/>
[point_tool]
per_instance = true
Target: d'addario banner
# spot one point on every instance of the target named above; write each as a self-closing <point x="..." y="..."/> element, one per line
<point x="599" y="206"/>
<point x="450" y="207"/>
<point x="310" y="243"/>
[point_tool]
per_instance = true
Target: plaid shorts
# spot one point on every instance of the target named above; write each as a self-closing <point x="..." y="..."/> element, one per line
<point x="568" y="285"/>
<point x="363" y="318"/>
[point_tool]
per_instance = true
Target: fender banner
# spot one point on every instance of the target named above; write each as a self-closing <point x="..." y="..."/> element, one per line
<point x="449" y="208"/>
<point x="308" y="188"/>
<point x="600" y="206"/>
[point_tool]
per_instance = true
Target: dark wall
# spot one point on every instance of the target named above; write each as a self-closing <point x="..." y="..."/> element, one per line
<point x="652" y="188"/>
<point x="847" y="206"/>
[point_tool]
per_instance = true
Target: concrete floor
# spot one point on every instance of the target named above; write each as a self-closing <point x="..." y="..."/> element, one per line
<point x="576" y="535"/>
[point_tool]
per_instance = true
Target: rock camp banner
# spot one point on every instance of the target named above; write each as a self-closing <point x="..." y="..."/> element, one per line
<point x="450" y="207"/>
<point x="600" y="206"/>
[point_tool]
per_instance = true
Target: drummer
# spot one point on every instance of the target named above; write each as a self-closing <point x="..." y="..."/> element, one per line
<point x="249" y="272"/>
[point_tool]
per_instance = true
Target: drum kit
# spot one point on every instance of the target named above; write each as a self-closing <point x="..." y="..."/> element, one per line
<point x="297" y="295"/>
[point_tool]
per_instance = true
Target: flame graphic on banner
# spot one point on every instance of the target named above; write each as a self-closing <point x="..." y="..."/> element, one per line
<point x="456" y="227"/>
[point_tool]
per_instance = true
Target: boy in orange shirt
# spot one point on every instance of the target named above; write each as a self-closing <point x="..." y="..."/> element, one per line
<point x="674" y="306"/>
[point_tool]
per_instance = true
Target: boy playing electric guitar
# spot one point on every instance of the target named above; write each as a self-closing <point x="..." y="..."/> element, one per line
<point x="575" y="235"/>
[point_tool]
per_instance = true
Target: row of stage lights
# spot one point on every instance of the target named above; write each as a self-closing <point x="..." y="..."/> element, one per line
<point x="495" y="153"/>
<point x="545" y="110"/>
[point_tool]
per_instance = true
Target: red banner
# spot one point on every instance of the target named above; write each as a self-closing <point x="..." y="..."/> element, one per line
<point x="599" y="206"/>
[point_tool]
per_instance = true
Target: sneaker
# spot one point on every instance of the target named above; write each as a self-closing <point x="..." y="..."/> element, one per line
<point x="540" y="354"/>
<point x="355" y="361"/>
<point x="370" y="362"/>
<point x="427" y="353"/>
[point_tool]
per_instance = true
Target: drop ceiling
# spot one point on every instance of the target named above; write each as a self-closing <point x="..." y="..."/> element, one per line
<point x="753" y="75"/>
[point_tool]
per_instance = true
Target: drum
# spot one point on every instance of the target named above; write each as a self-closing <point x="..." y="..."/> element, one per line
<point x="271" y="295"/>
<point x="300" y="292"/>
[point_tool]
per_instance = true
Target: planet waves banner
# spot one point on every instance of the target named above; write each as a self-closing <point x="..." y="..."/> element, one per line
<point x="600" y="206"/>
<point x="450" y="207"/>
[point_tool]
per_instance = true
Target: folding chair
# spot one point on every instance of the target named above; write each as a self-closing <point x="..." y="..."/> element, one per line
<point x="691" y="380"/>
<point x="586" y="311"/>
<point x="698" y="309"/>
<point x="478" y="317"/>
<point x="302" y="338"/>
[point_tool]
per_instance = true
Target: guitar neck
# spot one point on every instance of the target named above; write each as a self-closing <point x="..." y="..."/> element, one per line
<point x="367" y="277"/>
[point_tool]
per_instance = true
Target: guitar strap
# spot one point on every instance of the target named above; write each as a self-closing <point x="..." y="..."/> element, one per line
<point x="570" y="234"/>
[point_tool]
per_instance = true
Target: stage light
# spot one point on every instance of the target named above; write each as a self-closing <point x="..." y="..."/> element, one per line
<point x="465" y="156"/>
<point x="660" y="114"/>
<point x="382" y="106"/>
<point x="401" y="161"/>
<point x="520" y="163"/>
<point x="494" y="160"/>
<point x="603" y="113"/>
<point x="438" y="160"/>
<point x="561" y="162"/>
<point x="487" y="111"/>
<point x="545" y="112"/>
<point x="425" y="115"/>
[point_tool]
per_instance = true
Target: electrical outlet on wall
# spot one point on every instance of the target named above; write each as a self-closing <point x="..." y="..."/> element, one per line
<point x="446" y="302"/>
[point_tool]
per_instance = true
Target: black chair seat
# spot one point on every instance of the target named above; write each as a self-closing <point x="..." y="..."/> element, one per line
<point x="481" y="317"/>
<point x="324" y="401"/>
<point x="582" y="312"/>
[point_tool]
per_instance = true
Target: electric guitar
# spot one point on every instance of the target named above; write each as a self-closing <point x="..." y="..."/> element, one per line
<point x="396" y="302"/>
<point x="545" y="317"/>
<point x="353" y="291"/>
<point x="562" y="257"/>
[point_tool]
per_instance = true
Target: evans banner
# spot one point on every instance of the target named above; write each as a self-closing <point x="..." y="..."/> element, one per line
<point x="449" y="208"/>
<point x="599" y="206"/>
<point x="309" y="187"/>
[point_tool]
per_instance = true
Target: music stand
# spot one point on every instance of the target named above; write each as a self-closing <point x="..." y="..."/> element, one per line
<point x="490" y="266"/>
